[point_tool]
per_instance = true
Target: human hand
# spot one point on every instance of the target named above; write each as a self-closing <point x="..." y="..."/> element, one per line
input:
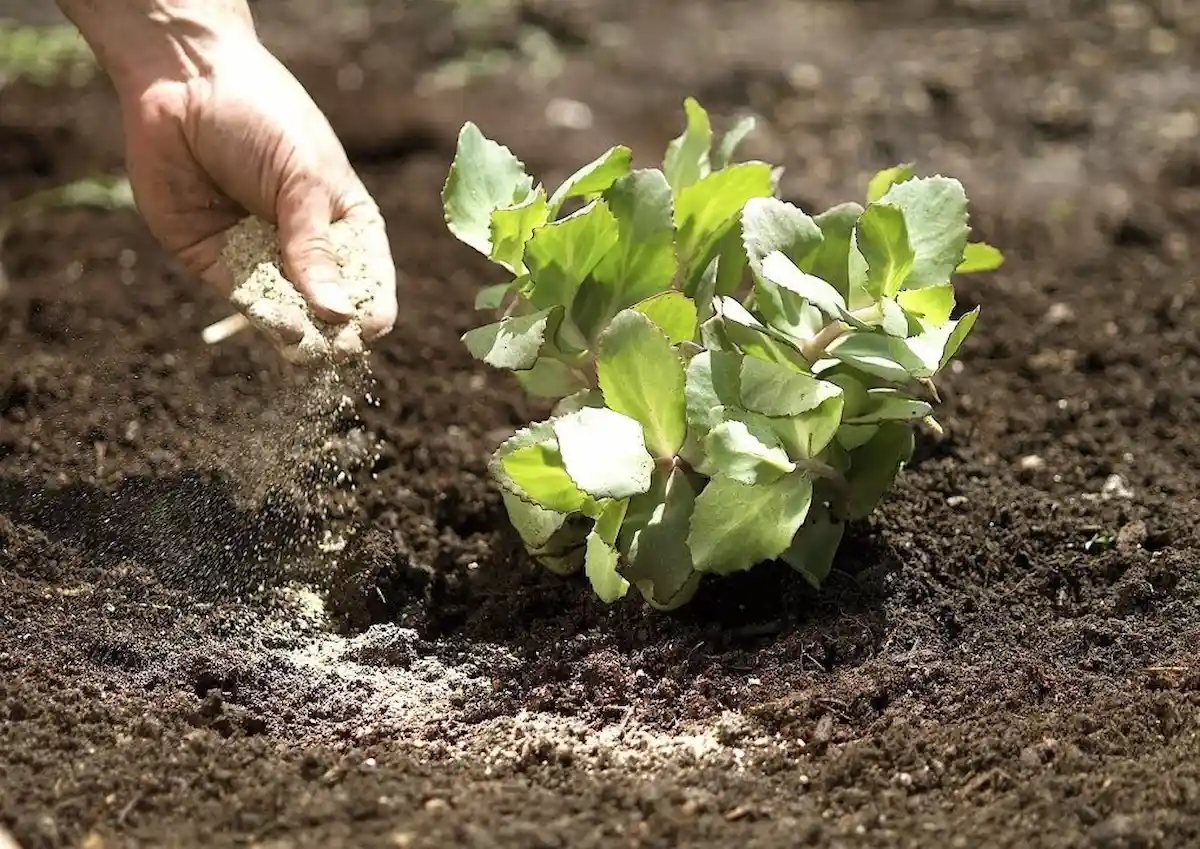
<point x="243" y="136"/>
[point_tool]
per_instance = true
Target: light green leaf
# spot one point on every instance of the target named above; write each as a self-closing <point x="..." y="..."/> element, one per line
<point x="978" y="257"/>
<point x="743" y="331"/>
<point x="890" y="405"/>
<point x="893" y="320"/>
<point x="712" y="385"/>
<point x="831" y="261"/>
<point x="101" y="191"/>
<point x="730" y="261"/>
<point x="933" y="349"/>
<point x="747" y="451"/>
<point x="879" y="355"/>
<point x="642" y="263"/>
<point x="549" y="378"/>
<point x="604" y="453"/>
<point x="484" y="177"/>
<point x="705" y="211"/>
<point x="512" y="227"/>
<point x="659" y="561"/>
<point x="852" y="436"/>
<point x="962" y="328"/>
<point x="730" y="141"/>
<point x="673" y="312"/>
<point x="885" y="179"/>
<point x="935" y="210"/>
<point x="530" y="466"/>
<point x="735" y="526"/>
<point x="642" y="377"/>
<point x="602" y="560"/>
<point x="561" y="254"/>
<point x="774" y="390"/>
<point x="932" y="303"/>
<point x="782" y="272"/>
<point x="688" y="156"/>
<point x="577" y="401"/>
<point x="593" y="178"/>
<point x="492" y="297"/>
<point x="882" y="237"/>
<point x="874" y="466"/>
<point x="815" y="545"/>
<point x="808" y="434"/>
<point x="515" y="342"/>
<point x="533" y="523"/>
<point x="771" y="225"/>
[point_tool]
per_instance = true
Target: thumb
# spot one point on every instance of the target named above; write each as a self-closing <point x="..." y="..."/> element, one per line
<point x="309" y="260"/>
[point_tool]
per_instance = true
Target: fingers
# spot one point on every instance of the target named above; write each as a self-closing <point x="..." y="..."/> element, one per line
<point x="379" y="317"/>
<point x="304" y="214"/>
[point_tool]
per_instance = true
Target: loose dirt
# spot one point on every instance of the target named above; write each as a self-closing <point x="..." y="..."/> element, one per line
<point x="224" y="623"/>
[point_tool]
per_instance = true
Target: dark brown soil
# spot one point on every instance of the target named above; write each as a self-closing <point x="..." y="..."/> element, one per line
<point x="1006" y="656"/>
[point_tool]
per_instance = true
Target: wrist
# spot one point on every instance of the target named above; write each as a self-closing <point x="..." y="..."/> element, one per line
<point x="143" y="43"/>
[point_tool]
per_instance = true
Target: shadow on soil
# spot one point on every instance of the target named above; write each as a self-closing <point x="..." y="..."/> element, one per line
<point x="188" y="529"/>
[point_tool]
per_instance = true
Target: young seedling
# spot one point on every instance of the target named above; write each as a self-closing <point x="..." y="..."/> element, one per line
<point x="734" y="378"/>
<point x="104" y="191"/>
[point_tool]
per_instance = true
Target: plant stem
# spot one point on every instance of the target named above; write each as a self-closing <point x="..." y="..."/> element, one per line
<point x="815" y="347"/>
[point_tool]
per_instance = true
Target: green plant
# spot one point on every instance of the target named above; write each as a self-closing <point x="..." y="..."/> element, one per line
<point x="735" y="379"/>
<point x="43" y="54"/>
<point x="104" y="191"/>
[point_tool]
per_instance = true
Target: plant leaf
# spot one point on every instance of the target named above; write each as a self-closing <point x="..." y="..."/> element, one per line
<point x="484" y="177"/>
<point x="932" y="303"/>
<point x="874" y="466"/>
<point x="712" y="384"/>
<point x="978" y="257"/>
<point x="730" y="261"/>
<point x="747" y="451"/>
<point x="774" y="390"/>
<point x="735" y="526"/>
<point x="705" y="211"/>
<point x="885" y="179"/>
<point x="515" y="342"/>
<point x="771" y="225"/>
<point x="593" y="178"/>
<point x="782" y="272"/>
<point x="533" y="523"/>
<point x="642" y="263"/>
<point x="730" y="141"/>
<point x="530" y="466"/>
<point x="936" y="346"/>
<point x="831" y="260"/>
<point x="882" y="236"/>
<point x="604" y="453"/>
<point x="642" y="377"/>
<point x="890" y="405"/>
<point x="879" y="355"/>
<point x="492" y="297"/>
<point x="748" y="335"/>
<point x="808" y="434"/>
<point x="935" y="210"/>
<point x="815" y="545"/>
<point x="511" y="228"/>
<point x="577" y="401"/>
<point x="659" y="561"/>
<point x="549" y="378"/>
<point x="602" y="560"/>
<point x="673" y="312"/>
<point x="687" y="159"/>
<point x="561" y="254"/>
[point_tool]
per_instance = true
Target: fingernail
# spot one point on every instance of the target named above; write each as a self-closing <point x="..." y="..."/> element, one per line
<point x="332" y="298"/>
